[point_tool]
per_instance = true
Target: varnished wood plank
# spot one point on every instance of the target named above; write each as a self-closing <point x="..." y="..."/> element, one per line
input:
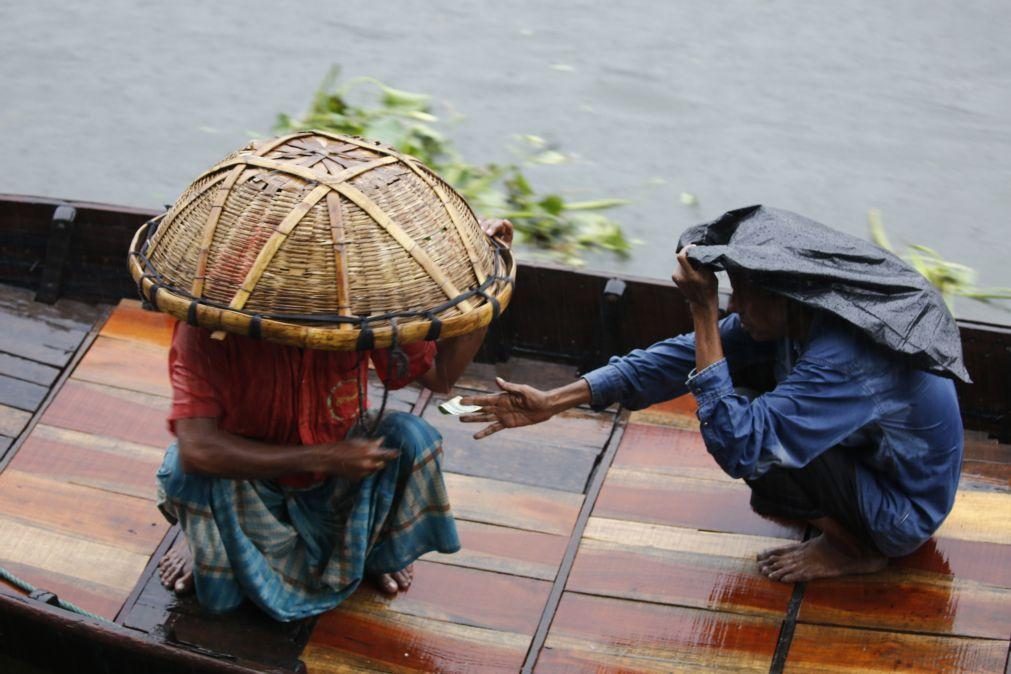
<point x="95" y="461"/>
<point x="82" y="512"/>
<point x="385" y="641"/>
<point x="128" y="321"/>
<point x="966" y="560"/>
<point x="677" y="566"/>
<point x="980" y="448"/>
<point x="604" y="634"/>
<point x="70" y="556"/>
<point x="685" y="502"/>
<point x="925" y="599"/>
<point x="21" y="394"/>
<point x="513" y="505"/>
<point x="105" y="410"/>
<point x="136" y="366"/>
<point x="677" y="578"/>
<point x="505" y="550"/>
<point x="667" y="450"/>
<point x="546" y="460"/>
<point x="99" y="599"/>
<point x="29" y="370"/>
<point x="818" y="648"/>
<point x="986" y="475"/>
<point x="462" y="596"/>
<point x="677" y="413"/>
<point x="983" y="516"/>
<point x="13" y="421"/>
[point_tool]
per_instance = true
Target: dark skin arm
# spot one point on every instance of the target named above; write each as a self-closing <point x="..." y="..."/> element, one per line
<point x="521" y="405"/>
<point x="700" y="288"/>
<point x="206" y="449"/>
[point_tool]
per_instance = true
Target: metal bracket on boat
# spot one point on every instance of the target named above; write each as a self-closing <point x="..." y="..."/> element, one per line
<point x="607" y="333"/>
<point x="60" y="232"/>
<point x="45" y="596"/>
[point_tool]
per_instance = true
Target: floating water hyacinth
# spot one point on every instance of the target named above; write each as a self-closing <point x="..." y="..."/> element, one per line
<point x="561" y="228"/>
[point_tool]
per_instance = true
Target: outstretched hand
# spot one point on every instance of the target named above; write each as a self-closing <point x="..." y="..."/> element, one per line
<point x="517" y="405"/>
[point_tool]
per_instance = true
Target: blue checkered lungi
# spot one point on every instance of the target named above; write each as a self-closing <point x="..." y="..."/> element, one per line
<point x="298" y="553"/>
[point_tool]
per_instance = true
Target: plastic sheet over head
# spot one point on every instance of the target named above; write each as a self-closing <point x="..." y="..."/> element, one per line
<point x="854" y="279"/>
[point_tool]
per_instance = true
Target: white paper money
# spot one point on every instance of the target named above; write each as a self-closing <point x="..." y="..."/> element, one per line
<point x="454" y="407"/>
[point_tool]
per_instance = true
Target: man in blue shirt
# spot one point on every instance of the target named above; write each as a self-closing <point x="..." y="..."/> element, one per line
<point x="854" y="438"/>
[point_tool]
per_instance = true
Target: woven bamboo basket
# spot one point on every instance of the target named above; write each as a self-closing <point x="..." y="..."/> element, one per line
<point x="323" y="241"/>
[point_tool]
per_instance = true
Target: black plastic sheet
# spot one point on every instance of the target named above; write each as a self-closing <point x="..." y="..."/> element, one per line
<point x="815" y="265"/>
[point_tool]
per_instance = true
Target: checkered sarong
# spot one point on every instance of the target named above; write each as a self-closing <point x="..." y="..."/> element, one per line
<point x="298" y="553"/>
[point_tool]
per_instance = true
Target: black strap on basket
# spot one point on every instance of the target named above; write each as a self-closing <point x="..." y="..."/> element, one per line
<point x="256" y="327"/>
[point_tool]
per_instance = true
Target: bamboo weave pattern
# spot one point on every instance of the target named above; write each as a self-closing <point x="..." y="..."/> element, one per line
<point x="323" y="241"/>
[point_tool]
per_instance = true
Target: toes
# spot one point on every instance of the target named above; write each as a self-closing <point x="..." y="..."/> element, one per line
<point x="403" y="579"/>
<point x="184" y="585"/>
<point x="387" y="584"/>
<point x="773" y="552"/>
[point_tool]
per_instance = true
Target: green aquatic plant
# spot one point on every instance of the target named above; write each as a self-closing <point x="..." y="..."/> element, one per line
<point x="951" y="278"/>
<point x="364" y="106"/>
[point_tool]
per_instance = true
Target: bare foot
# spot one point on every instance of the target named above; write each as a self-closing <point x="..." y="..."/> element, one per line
<point x="391" y="583"/>
<point x="176" y="568"/>
<point x="815" y="558"/>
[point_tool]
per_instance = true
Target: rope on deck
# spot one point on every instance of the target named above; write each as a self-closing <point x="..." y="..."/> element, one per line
<point x="65" y="605"/>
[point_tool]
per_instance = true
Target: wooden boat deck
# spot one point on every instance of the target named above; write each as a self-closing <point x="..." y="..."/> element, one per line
<point x="594" y="542"/>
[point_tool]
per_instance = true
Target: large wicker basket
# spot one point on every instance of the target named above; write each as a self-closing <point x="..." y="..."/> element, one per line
<point x="326" y="242"/>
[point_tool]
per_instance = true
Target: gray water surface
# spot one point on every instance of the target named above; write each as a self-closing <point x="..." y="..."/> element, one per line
<point x="825" y="108"/>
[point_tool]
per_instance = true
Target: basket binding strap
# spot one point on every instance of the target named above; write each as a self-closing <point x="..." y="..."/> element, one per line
<point x="434" y="328"/>
<point x="496" y="308"/>
<point x="191" y="313"/>
<point x="256" y="327"/>
<point x="366" y="338"/>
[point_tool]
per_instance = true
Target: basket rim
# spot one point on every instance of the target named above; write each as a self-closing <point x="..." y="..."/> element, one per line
<point x="335" y="335"/>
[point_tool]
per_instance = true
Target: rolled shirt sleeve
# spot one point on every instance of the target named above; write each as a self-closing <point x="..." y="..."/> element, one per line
<point x="648" y="376"/>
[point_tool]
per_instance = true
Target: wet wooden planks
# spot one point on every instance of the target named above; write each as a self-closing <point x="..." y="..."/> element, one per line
<point x="36" y="343"/>
<point x="818" y="648"/>
<point x="665" y="578"/>
<point x="946" y="606"/>
<point x="77" y="500"/>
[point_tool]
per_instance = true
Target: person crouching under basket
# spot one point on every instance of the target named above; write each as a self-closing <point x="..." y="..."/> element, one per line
<point x="278" y="503"/>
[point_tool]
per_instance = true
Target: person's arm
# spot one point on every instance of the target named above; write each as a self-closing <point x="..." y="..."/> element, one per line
<point x="700" y="288"/>
<point x="815" y="408"/>
<point x="522" y="405"/>
<point x="206" y="449"/>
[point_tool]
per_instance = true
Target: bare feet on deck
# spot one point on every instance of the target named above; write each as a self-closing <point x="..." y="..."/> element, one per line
<point x="176" y="568"/>
<point x="391" y="583"/>
<point x="815" y="558"/>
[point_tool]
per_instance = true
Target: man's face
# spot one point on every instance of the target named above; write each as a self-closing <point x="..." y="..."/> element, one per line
<point x="763" y="314"/>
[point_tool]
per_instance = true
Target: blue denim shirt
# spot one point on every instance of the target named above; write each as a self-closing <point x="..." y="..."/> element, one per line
<point x="842" y="390"/>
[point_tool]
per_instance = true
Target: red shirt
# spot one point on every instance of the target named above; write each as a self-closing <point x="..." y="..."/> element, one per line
<point x="275" y="393"/>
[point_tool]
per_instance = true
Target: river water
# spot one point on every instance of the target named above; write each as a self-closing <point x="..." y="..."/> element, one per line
<point x="825" y="108"/>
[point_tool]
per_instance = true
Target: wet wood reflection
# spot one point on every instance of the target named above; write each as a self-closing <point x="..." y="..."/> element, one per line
<point x="709" y="505"/>
<point x="818" y="648"/>
<point x="597" y="633"/>
<point x="677" y="566"/>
